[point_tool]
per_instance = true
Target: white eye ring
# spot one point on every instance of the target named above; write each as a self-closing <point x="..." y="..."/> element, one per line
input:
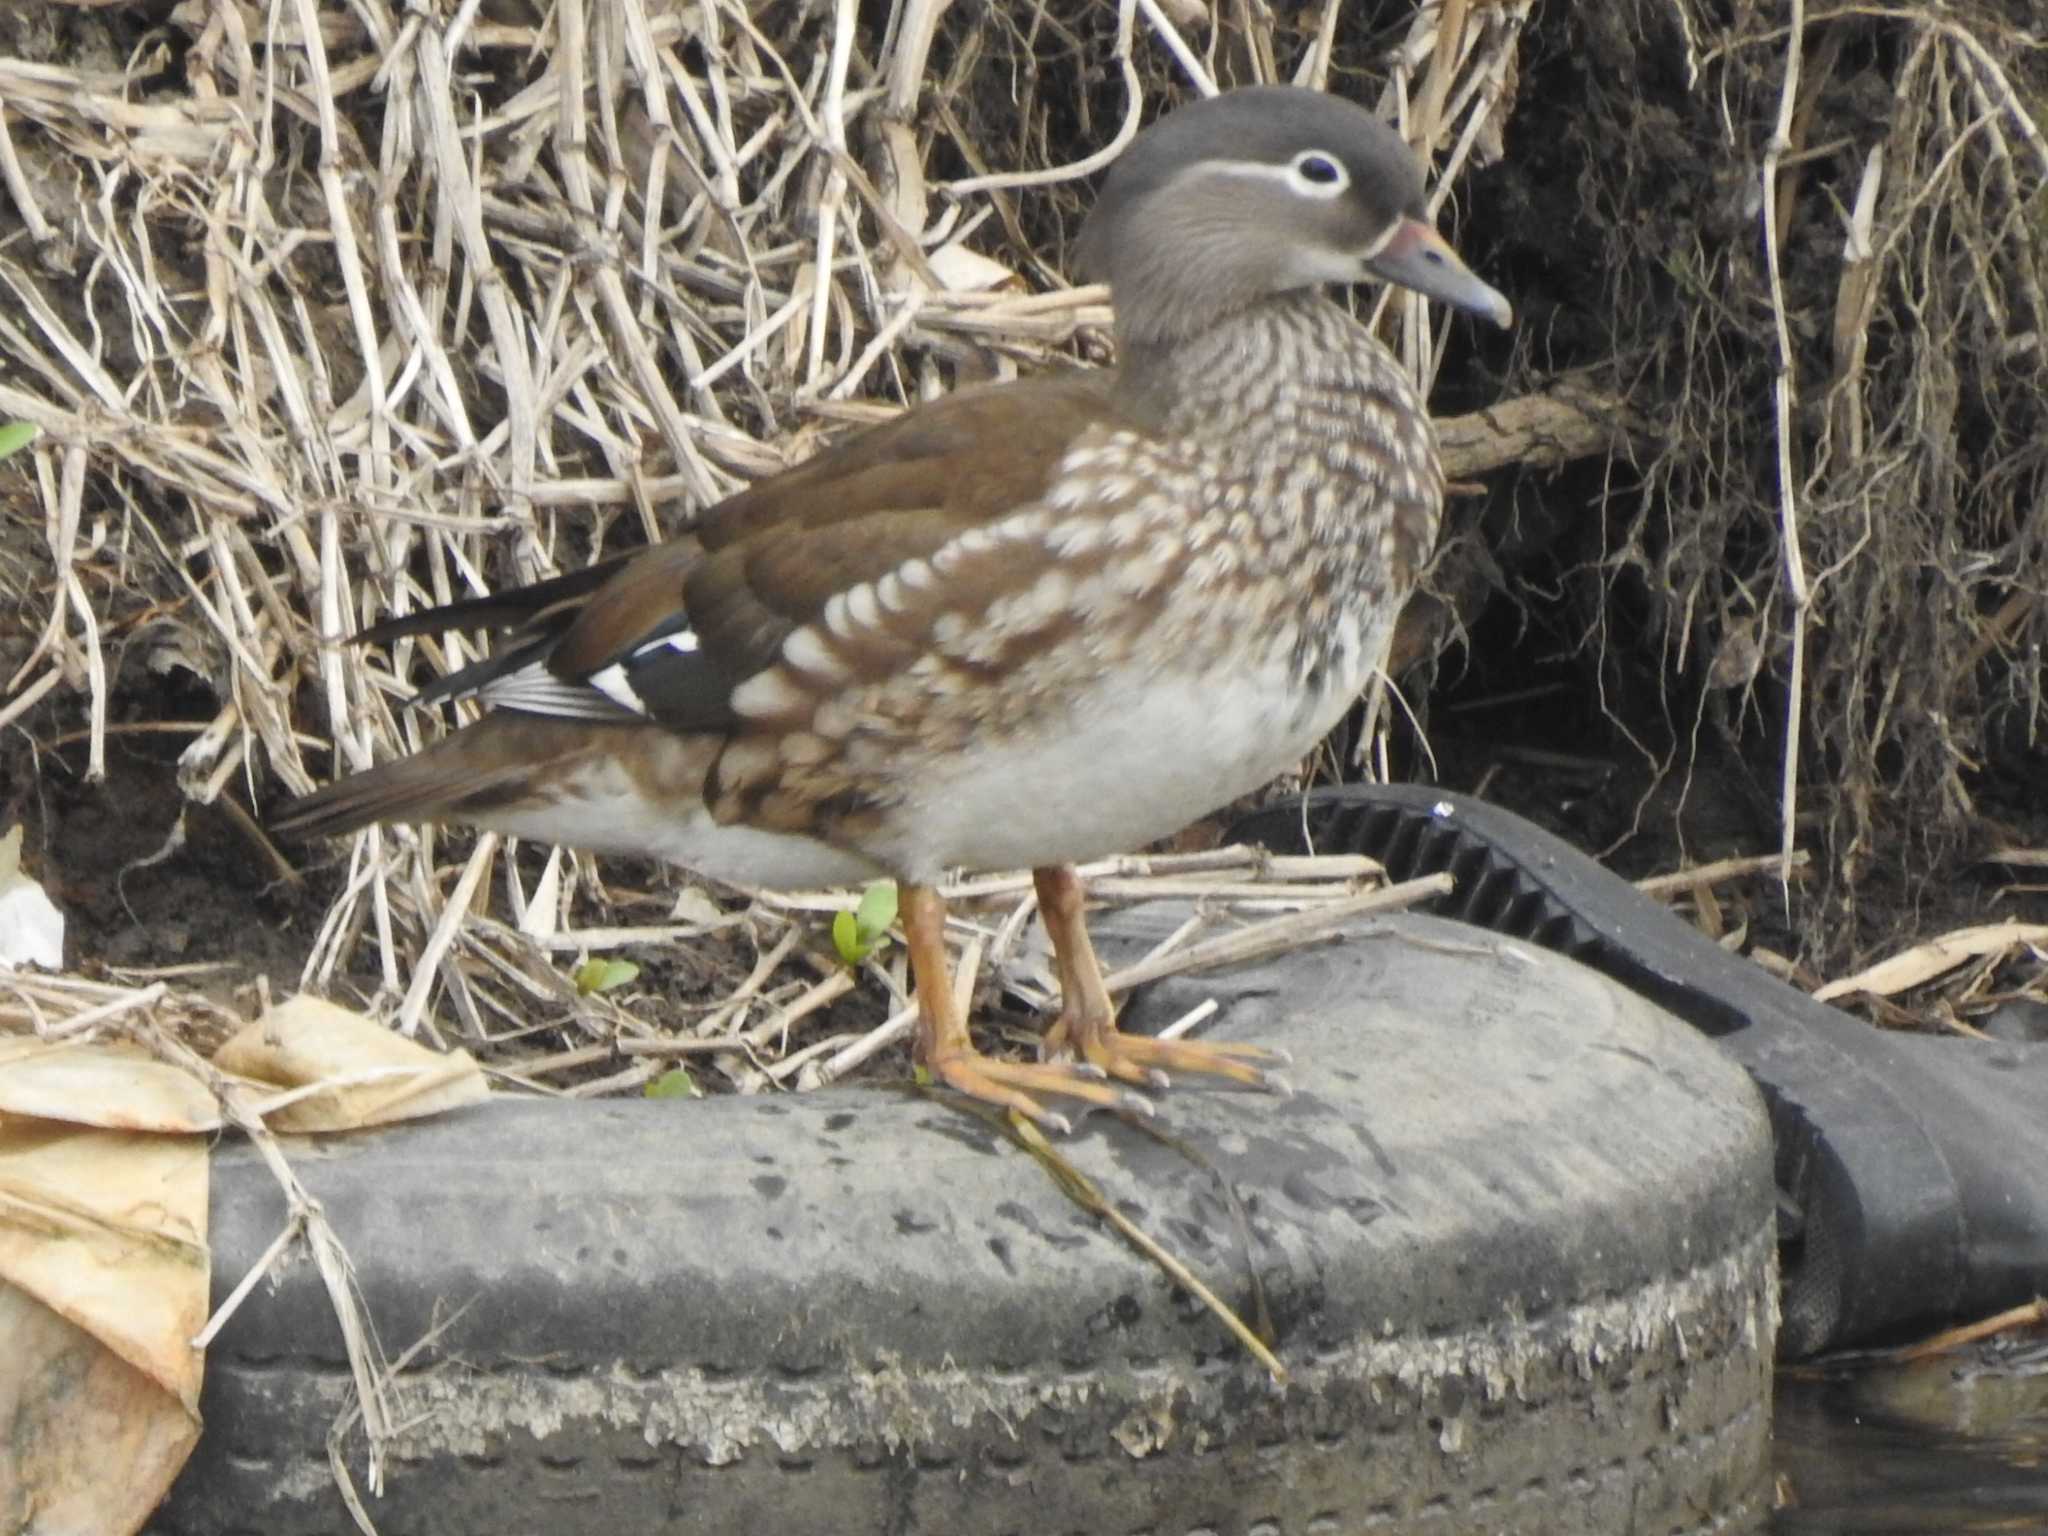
<point x="1317" y="173"/>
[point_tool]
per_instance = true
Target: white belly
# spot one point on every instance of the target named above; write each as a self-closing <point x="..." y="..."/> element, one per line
<point x="1117" y="774"/>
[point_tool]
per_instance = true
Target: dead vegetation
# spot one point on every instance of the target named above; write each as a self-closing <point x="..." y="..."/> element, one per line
<point x="331" y="311"/>
<point x="610" y="263"/>
<point x="1835" y="549"/>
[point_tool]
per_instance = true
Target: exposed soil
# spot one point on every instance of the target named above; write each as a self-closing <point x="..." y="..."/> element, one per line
<point x="146" y="878"/>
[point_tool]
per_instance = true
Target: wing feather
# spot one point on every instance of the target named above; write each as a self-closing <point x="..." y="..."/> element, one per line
<point x="604" y="643"/>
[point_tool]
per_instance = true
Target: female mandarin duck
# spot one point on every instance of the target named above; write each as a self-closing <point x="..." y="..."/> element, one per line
<point x="1026" y="625"/>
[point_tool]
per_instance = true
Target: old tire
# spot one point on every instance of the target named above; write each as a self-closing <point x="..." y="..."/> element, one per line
<point x="1514" y="1231"/>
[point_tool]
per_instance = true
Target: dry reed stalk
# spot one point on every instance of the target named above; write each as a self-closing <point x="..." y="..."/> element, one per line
<point x="391" y="308"/>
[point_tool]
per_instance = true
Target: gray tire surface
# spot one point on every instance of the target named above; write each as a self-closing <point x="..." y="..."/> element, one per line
<point x="1514" y="1231"/>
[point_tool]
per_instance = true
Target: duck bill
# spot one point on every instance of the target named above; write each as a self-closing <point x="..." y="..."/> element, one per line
<point x="1417" y="257"/>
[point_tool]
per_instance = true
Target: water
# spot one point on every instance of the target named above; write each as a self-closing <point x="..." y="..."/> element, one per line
<point x="1958" y="1444"/>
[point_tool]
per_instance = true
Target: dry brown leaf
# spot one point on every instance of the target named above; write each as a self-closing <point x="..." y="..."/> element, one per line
<point x="358" y="1073"/>
<point x="117" y="1087"/>
<point x="70" y="1409"/>
<point x="1923" y="962"/>
<point x="103" y="1283"/>
<point x="108" y="1229"/>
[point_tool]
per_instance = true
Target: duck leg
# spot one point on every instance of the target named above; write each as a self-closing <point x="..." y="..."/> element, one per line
<point x="943" y="1046"/>
<point x="1087" y="1022"/>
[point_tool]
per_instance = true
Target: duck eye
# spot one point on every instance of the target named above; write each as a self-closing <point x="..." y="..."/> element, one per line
<point x="1319" y="171"/>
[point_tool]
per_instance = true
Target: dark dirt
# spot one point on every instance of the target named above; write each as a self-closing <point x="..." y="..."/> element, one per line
<point x="146" y="878"/>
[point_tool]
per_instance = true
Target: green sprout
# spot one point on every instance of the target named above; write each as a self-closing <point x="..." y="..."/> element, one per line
<point x="16" y="435"/>
<point x="594" y="976"/>
<point x="859" y="933"/>
<point x="675" y="1083"/>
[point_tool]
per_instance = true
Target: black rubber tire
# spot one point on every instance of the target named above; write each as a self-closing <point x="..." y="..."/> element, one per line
<point x="1515" y="1231"/>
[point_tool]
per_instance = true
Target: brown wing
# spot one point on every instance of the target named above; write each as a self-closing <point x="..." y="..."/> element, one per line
<point x="766" y="561"/>
<point x="668" y="634"/>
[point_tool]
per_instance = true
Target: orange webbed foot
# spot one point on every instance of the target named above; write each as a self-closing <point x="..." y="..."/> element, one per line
<point x="945" y="1051"/>
<point x="1023" y="1085"/>
<point x="1086" y="1027"/>
<point x="1151" y="1062"/>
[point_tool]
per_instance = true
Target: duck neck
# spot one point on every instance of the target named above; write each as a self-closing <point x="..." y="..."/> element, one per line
<point x="1274" y="361"/>
<point x="1294" y="403"/>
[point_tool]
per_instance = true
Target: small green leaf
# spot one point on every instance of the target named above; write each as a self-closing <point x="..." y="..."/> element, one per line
<point x="877" y="910"/>
<point x="673" y="1084"/>
<point x="846" y="939"/>
<point x="597" y="975"/>
<point x="856" y="934"/>
<point x="16" y="435"/>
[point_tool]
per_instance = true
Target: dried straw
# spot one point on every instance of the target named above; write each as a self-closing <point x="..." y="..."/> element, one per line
<point x="377" y="308"/>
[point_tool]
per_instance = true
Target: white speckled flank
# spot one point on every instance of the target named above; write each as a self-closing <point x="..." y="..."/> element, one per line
<point x="604" y="808"/>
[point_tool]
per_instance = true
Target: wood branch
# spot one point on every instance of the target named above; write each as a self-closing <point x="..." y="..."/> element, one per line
<point x="1568" y="421"/>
